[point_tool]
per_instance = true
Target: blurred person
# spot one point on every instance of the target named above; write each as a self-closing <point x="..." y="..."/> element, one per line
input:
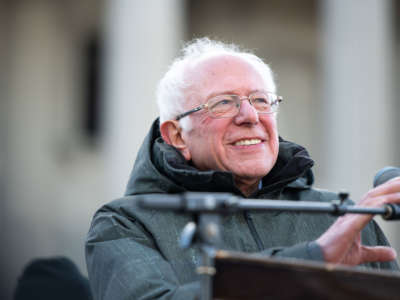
<point x="52" y="278"/>
<point x="217" y="132"/>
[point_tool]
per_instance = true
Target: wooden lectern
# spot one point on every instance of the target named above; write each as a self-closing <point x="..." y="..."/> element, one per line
<point x="246" y="276"/>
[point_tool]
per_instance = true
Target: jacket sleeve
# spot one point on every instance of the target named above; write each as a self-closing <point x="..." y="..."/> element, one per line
<point x="306" y="250"/>
<point x="123" y="262"/>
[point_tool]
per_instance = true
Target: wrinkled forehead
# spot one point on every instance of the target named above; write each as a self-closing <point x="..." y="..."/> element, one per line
<point x="219" y="74"/>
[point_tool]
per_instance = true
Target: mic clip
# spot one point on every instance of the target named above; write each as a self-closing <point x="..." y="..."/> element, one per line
<point x="338" y="204"/>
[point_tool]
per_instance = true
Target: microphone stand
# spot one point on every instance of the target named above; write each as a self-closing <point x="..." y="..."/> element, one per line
<point x="208" y="208"/>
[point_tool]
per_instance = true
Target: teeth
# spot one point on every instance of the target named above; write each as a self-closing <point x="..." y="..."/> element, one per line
<point x="247" y="142"/>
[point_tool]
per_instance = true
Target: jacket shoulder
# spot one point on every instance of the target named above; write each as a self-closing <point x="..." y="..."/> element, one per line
<point x="309" y="194"/>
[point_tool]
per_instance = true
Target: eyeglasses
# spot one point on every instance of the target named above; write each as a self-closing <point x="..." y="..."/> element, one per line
<point x="226" y="106"/>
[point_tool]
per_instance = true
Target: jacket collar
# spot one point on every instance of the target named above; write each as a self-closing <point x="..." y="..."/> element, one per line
<point x="160" y="168"/>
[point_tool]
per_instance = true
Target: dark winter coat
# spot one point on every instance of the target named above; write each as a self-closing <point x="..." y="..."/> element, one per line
<point x="134" y="254"/>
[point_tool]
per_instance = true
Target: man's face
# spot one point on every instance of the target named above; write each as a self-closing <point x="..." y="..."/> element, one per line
<point x="247" y="144"/>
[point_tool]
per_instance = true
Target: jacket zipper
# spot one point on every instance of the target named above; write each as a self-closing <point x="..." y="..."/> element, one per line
<point x="250" y="223"/>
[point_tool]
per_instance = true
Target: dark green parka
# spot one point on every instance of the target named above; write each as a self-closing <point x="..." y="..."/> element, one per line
<point x="134" y="254"/>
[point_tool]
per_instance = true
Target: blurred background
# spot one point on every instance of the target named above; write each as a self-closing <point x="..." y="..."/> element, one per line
<point x="77" y="97"/>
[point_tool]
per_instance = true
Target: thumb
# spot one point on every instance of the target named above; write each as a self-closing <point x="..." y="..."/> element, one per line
<point x="377" y="254"/>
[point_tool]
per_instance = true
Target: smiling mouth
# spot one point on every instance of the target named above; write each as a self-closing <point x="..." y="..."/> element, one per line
<point x="247" y="142"/>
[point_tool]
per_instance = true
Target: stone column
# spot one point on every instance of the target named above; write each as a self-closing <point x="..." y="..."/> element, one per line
<point x="141" y="39"/>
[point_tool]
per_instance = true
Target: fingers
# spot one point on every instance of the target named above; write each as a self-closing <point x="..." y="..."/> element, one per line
<point x="388" y="192"/>
<point x="350" y="224"/>
<point x="377" y="254"/>
<point x="389" y="187"/>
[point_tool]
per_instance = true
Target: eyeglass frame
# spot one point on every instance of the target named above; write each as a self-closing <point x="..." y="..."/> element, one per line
<point x="278" y="100"/>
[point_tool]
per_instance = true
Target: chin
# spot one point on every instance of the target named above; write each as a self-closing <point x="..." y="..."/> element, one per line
<point x="252" y="172"/>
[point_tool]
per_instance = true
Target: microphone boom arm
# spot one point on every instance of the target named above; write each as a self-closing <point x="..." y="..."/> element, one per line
<point x="225" y="203"/>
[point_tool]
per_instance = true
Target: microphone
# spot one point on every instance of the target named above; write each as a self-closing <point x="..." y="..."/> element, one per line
<point x="384" y="175"/>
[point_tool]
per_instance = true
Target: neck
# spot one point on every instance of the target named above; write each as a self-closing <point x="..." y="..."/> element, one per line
<point x="247" y="186"/>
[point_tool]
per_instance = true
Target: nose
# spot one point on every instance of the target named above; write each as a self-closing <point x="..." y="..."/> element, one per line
<point x="247" y="114"/>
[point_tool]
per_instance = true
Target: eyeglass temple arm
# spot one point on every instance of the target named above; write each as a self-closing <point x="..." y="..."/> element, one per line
<point x="279" y="99"/>
<point x="178" y="117"/>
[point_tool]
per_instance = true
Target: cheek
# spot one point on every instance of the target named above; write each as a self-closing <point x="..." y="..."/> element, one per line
<point x="270" y="124"/>
<point x="209" y="139"/>
<point x="211" y="129"/>
<point x="199" y="139"/>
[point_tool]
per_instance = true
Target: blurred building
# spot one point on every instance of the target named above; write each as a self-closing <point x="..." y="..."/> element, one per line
<point x="77" y="97"/>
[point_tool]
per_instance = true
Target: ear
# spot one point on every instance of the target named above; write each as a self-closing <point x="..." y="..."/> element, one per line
<point x="171" y="133"/>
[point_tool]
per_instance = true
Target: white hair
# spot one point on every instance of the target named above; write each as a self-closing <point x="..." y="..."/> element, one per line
<point x="171" y="88"/>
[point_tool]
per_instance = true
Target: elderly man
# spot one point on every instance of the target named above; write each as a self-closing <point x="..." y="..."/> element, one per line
<point x="217" y="132"/>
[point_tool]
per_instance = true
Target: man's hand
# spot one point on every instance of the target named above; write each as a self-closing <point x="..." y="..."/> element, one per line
<point x="341" y="243"/>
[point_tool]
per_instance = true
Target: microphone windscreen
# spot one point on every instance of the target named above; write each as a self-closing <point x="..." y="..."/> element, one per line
<point x="386" y="174"/>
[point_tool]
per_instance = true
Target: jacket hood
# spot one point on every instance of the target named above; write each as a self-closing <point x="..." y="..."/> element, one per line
<point x="160" y="168"/>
